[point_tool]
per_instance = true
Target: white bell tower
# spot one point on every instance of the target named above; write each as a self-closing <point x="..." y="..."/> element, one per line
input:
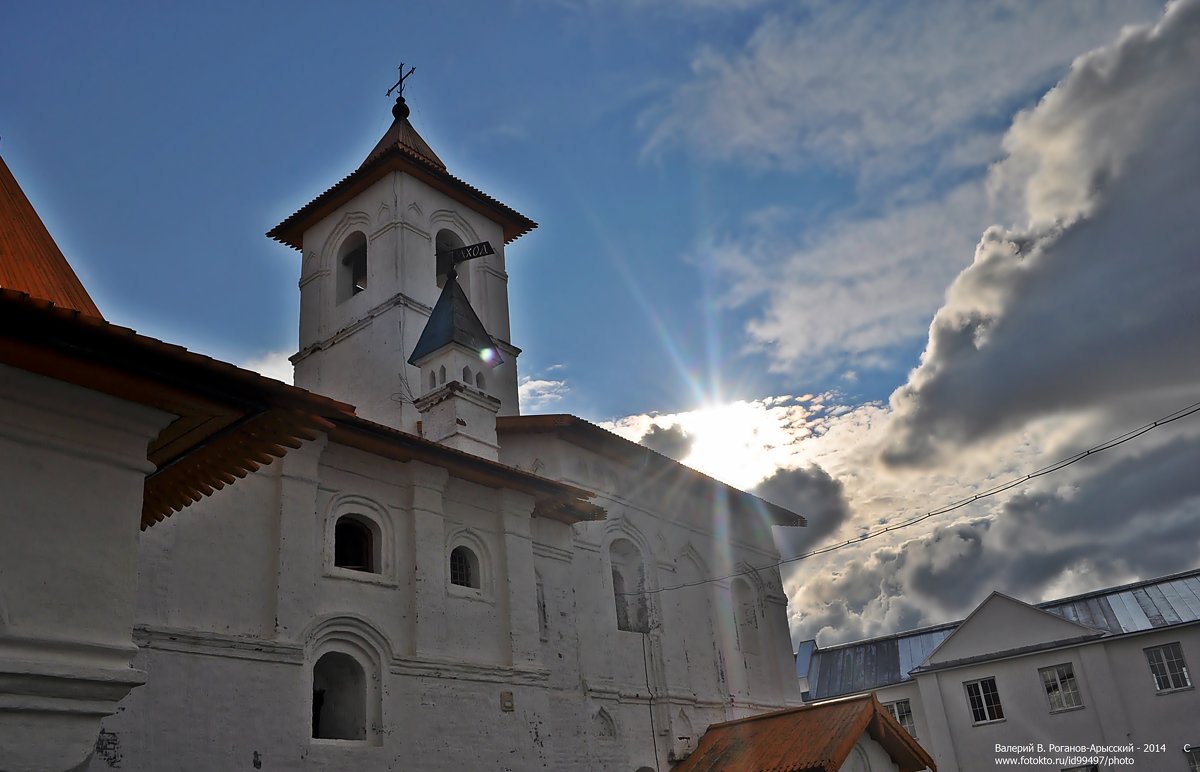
<point x="370" y="278"/>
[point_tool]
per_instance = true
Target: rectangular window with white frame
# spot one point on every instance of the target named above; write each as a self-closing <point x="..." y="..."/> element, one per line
<point x="984" y="699"/>
<point x="1168" y="667"/>
<point x="901" y="710"/>
<point x="1062" y="690"/>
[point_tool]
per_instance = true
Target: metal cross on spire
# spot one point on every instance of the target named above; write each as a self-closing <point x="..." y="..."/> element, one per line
<point x="399" y="85"/>
<point x="400" y="109"/>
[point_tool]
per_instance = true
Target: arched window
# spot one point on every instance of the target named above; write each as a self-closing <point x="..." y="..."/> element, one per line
<point x="629" y="587"/>
<point x="442" y="374"/>
<point x="354" y="545"/>
<point x="479" y="382"/>
<point x="432" y="380"/>
<point x="464" y="568"/>
<point x="467" y="375"/>
<point x="339" y="706"/>
<point x="352" y="266"/>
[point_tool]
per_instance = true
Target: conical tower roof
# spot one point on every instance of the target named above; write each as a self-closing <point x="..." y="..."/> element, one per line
<point x="400" y="149"/>
<point x="402" y="137"/>
<point x="30" y="261"/>
<point x="452" y="321"/>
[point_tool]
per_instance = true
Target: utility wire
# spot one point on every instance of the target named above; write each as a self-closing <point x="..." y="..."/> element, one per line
<point x="1049" y="469"/>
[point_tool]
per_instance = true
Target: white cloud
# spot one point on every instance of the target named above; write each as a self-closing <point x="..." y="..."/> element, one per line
<point x="540" y="394"/>
<point x="1072" y="329"/>
<point x="273" y="364"/>
<point x="861" y="83"/>
<point x="856" y="289"/>
<point x="741" y="443"/>
<point x="1092" y="305"/>
<point x="1063" y="333"/>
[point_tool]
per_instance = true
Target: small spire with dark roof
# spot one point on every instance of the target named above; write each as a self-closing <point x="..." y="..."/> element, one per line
<point x="453" y="321"/>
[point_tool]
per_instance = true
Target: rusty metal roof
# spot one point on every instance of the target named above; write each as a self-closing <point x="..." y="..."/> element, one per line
<point x="878" y="662"/>
<point x="400" y="149"/>
<point x="30" y="261"/>
<point x="813" y="738"/>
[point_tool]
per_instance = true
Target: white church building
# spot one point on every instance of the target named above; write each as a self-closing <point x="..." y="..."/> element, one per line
<point x="427" y="580"/>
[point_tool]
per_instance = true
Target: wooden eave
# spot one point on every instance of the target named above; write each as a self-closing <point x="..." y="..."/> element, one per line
<point x="587" y="435"/>
<point x="397" y="158"/>
<point x="554" y="500"/>
<point x="229" y="421"/>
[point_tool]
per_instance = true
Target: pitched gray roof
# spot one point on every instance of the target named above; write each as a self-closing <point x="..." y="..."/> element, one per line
<point x="878" y="662"/>
<point x="452" y="321"/>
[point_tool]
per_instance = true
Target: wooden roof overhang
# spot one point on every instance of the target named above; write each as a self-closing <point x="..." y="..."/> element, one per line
<point x="587" y="435"/>
<point x="230" y="421"/>
<point x="398" y="158"/>
<point x="554" y="500"/>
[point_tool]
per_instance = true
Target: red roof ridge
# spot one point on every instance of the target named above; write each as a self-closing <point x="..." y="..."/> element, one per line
<point x="30" y="260"/>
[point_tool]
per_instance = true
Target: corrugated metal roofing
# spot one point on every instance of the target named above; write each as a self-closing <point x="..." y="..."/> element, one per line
<point x="30" y="261"/>
<point x="1155" y="603"/>
<point x="878" y="662"/>
<point x="814" y="738"/>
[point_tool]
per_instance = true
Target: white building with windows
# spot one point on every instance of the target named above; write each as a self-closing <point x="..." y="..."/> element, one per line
<point x="426" y="580"/>
<point x="1107" y="668"/>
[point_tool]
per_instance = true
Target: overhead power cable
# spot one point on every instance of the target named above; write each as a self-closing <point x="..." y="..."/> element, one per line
<point x="1046" y="470"/>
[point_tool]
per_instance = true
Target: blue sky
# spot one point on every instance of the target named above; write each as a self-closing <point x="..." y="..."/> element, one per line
<point x="832" y="249"/>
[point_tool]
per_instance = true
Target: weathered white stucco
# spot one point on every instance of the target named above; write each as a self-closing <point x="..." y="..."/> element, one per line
<point x="72" y="465"/>
<point x="241" y="597"/>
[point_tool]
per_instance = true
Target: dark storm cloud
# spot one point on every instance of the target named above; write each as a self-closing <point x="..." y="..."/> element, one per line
<point x="1097" y="298"/>
<point x="1135" y="515"/>
<point x="813" y="493"/>
<point x="1082" y="324"/>
<point x="672" y="441"/>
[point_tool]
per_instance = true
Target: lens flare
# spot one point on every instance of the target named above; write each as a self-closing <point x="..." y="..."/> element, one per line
<point x="488" y="355"/>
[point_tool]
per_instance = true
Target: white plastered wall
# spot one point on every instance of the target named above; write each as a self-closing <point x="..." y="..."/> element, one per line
<point x="357" y="350"/>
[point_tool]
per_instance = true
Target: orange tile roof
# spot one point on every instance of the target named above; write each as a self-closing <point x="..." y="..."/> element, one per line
<point x="813" y="738"/>
<point x="30" y="261"/>
<point x="400" y="149"/>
